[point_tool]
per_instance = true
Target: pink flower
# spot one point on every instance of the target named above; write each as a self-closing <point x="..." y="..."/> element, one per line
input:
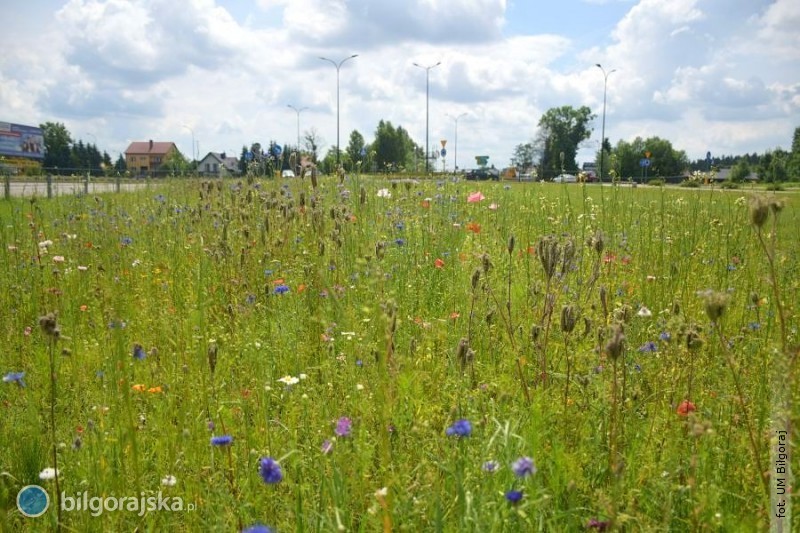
<point x="475" y="197"/>
<point x="493" y="207"/>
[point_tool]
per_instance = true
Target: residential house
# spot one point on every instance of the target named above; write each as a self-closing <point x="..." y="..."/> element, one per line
<point x="218" y="165"/>
<point x="147" y="157"/>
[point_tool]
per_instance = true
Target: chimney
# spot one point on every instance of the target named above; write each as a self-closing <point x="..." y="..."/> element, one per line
<point x="151" y="144"/>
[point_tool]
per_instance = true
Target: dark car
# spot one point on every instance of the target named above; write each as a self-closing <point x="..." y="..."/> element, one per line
<point x="483" y="174"/>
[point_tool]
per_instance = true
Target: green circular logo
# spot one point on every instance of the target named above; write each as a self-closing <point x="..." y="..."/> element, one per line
<point x="32" y="501"/>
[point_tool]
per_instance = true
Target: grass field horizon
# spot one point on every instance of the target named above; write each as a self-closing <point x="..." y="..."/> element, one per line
<point x="367" y="355"/>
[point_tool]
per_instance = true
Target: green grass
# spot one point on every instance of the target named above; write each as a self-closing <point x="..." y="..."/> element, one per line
<point x="187" y="269"/>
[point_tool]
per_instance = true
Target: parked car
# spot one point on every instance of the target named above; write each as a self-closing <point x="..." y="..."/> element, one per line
<point x="565" y="178"/>
<point x="288" y="173"/>
<point x="482" y="174"/>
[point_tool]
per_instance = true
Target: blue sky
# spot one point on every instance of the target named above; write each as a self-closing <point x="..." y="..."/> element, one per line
<point x="709" y="75"/>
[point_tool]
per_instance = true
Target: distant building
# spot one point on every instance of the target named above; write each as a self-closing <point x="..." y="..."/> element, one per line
<point x="147" y="157"/>
<point x="218" y="164"/>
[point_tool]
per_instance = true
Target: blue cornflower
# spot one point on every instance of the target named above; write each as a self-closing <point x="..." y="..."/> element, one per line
<point x="400" y="226"/>
<point x="270" y="470"/>
<point x="460" y="428"/>
<point x="665" y="336"/>
<point x="250" y="299"/>
<point x="359" y="362"/>
<point x="400" y="242"/>
<point x="15" y="377"/>
<point x="257" y="528"/>
<point x="523" y="467"/>
<point x="138" y="352"/>
<point x="160" y="198"/>
<point x="514" y="496"/>
<point x="221" y="440"/>
<point x="649" y="346"/>
<point x="126" y="241"/>
<point x="754" y="326"/>
<point x="268" y="272"/>
<point x="491" y="466"/>
<point x="281" y="289"/>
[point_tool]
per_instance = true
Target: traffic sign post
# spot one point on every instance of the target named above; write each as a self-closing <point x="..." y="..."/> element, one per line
<point x="644" y="163"/>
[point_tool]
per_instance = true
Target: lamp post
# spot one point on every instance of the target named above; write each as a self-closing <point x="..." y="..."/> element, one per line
<point x="427" y="100"/>
<point x="338" y="66"/>
<point x="193" y="151"/>
<point x="455" y="147"/>
<point x="603" y="131"/>
<point x="298" y="111"/>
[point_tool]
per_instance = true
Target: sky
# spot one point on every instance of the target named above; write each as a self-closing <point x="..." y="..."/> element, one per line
<point x="719" y="76"/>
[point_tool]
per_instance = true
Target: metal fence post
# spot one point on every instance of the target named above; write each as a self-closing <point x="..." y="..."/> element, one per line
<point x="49" y="185"/>
<point x="119" y="183"/>
<point x="86" y="184"/>
<point x="7" y="186"/>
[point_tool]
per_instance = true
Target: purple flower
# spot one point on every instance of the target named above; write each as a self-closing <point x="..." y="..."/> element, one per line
<point x="665" y="336"/>
<point x="126" y="241"/>
<point x="491" y="466"/>
<point x="327" y="446"/>
<point x="270" y="470"/>
<point x="343" y="427"/>
<point x="649" y="346"/>
<point x="599" y="525"/>
<point x="257" y="528"/>
<point x="221" y="440"/>
<point x="138" y="352"/>
<point x="460" y="428"/>
<point x="211" y="425"/>
<point x="514" y="496"/>
<point x="523" y="467"/>
<point x="15" y="377"/>
<point x="281" y="289"/>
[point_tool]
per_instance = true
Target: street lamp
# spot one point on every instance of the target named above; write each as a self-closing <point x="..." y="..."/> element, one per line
<point x="603" y="133"/>
<point x="193" y="151"/>
<point x="338" y="66"/>
<point x="427" y="100"/>
<point x="455" y="150"/>
<point x="298" y="111"/>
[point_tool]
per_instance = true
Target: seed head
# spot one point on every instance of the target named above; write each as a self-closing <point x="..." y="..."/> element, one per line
<point x="49" y="325"/>
<point x="568" y="317"/>
<point x="511" y="245"/>
<point x="476" y="277"/>
<point x="715" y="304"/>
<point x="616" y="343"/>
<point x="759" y="211"/>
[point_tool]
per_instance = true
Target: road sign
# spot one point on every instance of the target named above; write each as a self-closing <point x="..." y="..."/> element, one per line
<point x="647" y="154"/>
<point x="363" y="151"/>
<point x="276" y="150"/>
<point x="444" y="141"/>
<point x="443" y="152"/>
<point x="644" y="162"/>
<point x="482" y="160"/>
<point x="248" y="156"/>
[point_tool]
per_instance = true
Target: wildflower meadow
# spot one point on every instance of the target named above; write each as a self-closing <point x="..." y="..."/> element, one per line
<point x="361" y="354"/>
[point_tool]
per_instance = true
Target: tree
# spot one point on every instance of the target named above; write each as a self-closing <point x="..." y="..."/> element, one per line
<point x="394" y="150"/>
<point x="313" y="142"/>
<point x="562" y="129"/>
<point x="120" y="166"/>
<point x="664" y="159"/>
<point x="740" y="171"/>
<point x="794" y="159"/>
<point x="354" y="147"/>
<point x="57" y="142"/>
<point x="523" y="156"/>
<point x="175" y="164"/>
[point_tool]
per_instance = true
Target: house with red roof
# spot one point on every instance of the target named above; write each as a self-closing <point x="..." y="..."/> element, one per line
<point x="147" y="157"/>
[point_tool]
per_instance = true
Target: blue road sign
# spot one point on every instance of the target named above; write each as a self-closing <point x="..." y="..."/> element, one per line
<point x="644" y="162"/>
<point x="363" y="151"/>
<point x="248" y="156"/>
<point x="444" y="152"/>
<point x="276" y="150"/>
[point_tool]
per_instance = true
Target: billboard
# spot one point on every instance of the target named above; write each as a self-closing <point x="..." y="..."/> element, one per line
<point x="21" y="141"/>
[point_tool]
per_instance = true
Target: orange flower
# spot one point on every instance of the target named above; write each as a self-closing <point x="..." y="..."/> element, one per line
<point x="439" y="263"/>
<point x="685" y="408"/>
<point x="454" y="315"/>
<point x="301" y="287"/>
<point x="84" y="307"/>
<point x="278" y="281"/>
<point x="139" y="387"/>
<point x="154" y="390"/>
<point x="474" y="227"/>
<point x="426" y="203"/>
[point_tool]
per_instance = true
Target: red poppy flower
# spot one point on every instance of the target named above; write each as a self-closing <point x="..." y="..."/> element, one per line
<point x="474" y="227"/>
<point x="439" y="263"/>
<point x="686" y="407"/>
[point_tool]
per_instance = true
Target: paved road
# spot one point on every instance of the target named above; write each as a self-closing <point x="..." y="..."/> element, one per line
<point x="60" y="188"/>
